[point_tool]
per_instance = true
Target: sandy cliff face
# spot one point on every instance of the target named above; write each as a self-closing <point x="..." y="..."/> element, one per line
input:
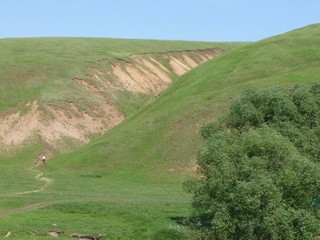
<point x="147" y="74"/>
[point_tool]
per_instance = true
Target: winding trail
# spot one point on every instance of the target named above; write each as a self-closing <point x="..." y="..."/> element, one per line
<point x="25" y="208"/>
<point x="39" y="177"/>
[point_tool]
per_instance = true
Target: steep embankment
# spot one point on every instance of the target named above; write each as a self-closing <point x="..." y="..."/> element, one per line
<point x="108" y="87"/>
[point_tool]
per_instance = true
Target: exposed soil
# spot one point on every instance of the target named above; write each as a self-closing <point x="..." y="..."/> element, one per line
<point x="54" y="233"/>
<point x="149" y="73"/>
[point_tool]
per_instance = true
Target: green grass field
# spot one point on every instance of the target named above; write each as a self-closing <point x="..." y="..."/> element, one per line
<point x="127" y="184"/>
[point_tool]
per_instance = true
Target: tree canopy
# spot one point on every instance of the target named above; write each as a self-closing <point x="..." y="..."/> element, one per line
<point x="259" y="170"/>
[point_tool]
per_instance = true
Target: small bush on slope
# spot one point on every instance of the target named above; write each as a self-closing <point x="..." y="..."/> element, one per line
<point x="259" y="168"/>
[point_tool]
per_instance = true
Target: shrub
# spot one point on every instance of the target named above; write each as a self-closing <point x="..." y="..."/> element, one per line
<point x="259" y="172"/>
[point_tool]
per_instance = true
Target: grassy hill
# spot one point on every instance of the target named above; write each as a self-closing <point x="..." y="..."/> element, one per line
<point x="62" y="90"/>
<point x="47" y="65"/>
<point x="127" y="183"/>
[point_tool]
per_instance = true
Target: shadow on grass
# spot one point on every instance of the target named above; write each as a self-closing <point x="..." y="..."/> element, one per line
<point x="178" y="231"/>
<point x="182" y="221"/>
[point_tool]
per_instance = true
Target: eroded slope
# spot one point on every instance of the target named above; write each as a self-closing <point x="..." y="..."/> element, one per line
<point x="106" y="83"/>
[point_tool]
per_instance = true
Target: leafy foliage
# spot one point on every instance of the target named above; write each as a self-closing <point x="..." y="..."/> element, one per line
<point x="259" y="168"/>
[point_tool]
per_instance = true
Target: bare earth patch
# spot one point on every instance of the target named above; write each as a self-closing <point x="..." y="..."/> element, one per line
<point x="16" y="129"/>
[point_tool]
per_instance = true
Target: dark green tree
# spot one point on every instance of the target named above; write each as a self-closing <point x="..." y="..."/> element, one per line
<point x="259" y="171"/>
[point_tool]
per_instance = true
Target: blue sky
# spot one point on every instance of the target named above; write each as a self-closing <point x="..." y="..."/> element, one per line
<point x="203" y="20"/>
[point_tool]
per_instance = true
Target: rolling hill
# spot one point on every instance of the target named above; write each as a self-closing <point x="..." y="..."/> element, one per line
<point x="126" y="184"/>
<point x="58" y="91"/>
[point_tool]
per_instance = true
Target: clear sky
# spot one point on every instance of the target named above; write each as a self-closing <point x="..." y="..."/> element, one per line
<point x="204" y="20"/>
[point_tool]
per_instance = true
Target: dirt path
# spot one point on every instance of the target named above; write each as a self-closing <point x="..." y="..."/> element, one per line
<point x="39" y="177"/>
<point x="24" y="209"/>
<point x="40" y="205"/>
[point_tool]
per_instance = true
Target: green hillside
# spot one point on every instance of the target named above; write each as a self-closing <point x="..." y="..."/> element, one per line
<point x="59" y="91"/>
<point x="153" y="135"/>
<point x="47" y="65"/>
<point x="127" y="183"/>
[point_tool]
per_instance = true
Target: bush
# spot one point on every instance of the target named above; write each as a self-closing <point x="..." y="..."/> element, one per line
<point x="259" y="169"/>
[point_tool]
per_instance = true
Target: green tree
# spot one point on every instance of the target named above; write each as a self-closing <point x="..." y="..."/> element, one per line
<point x="259" y="172"/>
